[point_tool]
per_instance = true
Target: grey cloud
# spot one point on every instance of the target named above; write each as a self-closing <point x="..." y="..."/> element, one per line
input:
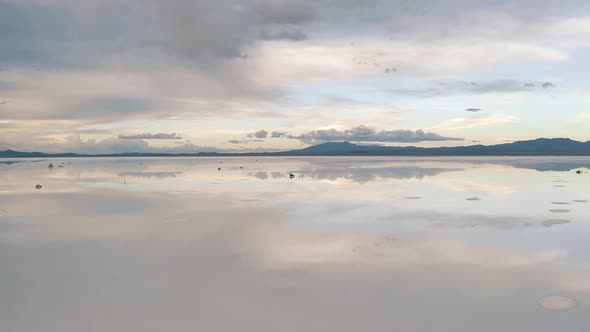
<point x="34" y="33"/>
<point x="366" y="134"/>
<point x="547" y="85"/>
<point x="285" y="34"/>
<point x="245" y="141"/>
<point x="92" y="110"/>
<point x="278" y="134"/>
<point x="151" y="136"/>
<point x="261" y="134"/>
<point x="473" y="109"/>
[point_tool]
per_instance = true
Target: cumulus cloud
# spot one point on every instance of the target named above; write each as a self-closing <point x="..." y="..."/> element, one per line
<point x="278" y="134"/>
<point x="151" y="136"/>
<point x="245" y="141"/>
<point x="366" y="134"/>
<point x="260" y="134"/>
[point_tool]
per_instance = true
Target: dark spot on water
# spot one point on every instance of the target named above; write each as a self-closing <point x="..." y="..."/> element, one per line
<point x="250" y="200"/>
<point x="560" y="203"/>
<point x="559" y="186"/>
<point x="580" y="201"/>
<point x="559" y="211"/>
<point x="553" y="222"/>
<point x="413" y="197"/>
<point x="473" y="199"/>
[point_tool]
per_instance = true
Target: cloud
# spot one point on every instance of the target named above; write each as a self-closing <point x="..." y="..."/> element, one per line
<point x="126" y="64"/>
<point x="151" y="136"/>
<point x="291" y="34"/>
<point x="245" y="141"/>
<point x="261" y="134"/>
<point x="473" y="109"/>
<point x="278" y="134"/>
<point x="547" y="85"/>
<point x="36" y="32"/>
<point x="365" y="134"/>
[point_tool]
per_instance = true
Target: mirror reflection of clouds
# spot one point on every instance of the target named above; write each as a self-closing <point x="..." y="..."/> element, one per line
<point x="122" y="235"/>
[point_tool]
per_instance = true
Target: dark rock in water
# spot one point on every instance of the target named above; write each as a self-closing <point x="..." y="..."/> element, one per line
<point x="578" y="172"/>
<point x="291" y="175"/>
<point x="38" y="186"/>
<point x="219" y="168"/>
<point x="50" y="165"/>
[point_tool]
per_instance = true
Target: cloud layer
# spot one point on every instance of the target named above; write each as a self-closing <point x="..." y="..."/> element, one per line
<point x="366" y="134"/>
<point x="219" y="70"/>
<point x="151" y="136"/>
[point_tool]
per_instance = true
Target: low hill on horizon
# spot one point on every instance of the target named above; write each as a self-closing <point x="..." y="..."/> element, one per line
<point x="537" y="147"/>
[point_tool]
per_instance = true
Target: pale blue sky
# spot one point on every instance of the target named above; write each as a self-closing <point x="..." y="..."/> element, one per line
<point x="90" y="76"/>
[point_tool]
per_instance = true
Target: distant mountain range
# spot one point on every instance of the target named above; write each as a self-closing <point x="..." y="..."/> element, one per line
<point x="537" y="147"/>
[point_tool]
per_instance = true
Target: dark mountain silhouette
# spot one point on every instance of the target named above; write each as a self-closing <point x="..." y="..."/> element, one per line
<point x="537" y="147"/>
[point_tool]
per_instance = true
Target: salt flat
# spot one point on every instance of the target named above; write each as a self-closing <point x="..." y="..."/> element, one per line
<point x="347" y="244"/>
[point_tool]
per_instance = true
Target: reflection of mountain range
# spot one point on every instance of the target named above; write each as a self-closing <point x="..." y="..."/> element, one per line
<point x="362" y="175"/>
<point x="538" y="147"/>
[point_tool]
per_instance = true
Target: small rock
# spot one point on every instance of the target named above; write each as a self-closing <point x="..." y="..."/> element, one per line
<point x="219" y="168"/>
<point x="291" y="175"/>
<point x="578" y="172"/>
<point x="50" y="165"/>
<point x="38" y="186"/>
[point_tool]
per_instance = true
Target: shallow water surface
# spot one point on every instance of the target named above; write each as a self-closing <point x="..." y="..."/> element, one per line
<point x="347" y="244"/>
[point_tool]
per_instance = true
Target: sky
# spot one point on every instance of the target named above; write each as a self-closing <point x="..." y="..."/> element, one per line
<point x="104" y="76"/>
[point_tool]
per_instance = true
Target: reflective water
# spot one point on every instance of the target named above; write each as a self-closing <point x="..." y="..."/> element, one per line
<point x="347" y="244"/>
